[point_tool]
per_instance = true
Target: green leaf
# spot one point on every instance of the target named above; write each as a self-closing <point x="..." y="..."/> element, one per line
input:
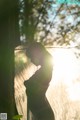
<point x="17" y="117"/>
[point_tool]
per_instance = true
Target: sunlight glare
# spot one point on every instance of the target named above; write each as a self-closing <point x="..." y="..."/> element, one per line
<point x="66" y="71"/>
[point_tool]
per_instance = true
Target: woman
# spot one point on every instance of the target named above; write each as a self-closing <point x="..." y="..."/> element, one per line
<point x="37" y="85"/>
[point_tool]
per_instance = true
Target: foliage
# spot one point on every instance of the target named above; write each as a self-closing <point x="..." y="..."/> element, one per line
<point x="52" y="23"/>
<point x="58" y="23"/>
<point x="17" y="117"/>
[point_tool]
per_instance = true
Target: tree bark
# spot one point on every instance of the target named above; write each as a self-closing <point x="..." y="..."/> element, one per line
<point x="8" y="35"/>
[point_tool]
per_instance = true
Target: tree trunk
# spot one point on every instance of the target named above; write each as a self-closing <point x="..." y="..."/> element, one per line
<point x="8" y="35"/>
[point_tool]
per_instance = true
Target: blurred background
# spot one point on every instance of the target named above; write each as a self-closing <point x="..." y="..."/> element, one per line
<point x="57" y="26"/>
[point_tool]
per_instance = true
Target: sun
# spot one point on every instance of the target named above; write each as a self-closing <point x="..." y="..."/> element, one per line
<point x="66" y="71"/>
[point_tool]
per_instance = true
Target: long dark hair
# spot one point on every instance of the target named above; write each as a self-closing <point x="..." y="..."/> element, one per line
<point x="36" y="49"/>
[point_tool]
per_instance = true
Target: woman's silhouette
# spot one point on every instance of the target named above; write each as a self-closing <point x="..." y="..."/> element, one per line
<point x="37" y="85"/>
